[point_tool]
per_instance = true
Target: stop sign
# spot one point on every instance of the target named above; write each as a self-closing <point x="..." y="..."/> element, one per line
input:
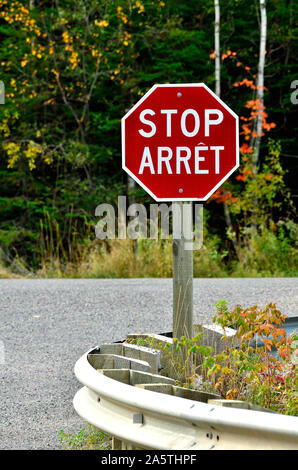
<point x="180" y="142"/>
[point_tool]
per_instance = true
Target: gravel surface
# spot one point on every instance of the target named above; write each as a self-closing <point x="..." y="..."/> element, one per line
<point x="46" y="325"/>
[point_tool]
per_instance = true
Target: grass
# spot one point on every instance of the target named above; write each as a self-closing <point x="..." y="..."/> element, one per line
<point x="265" y="254"/>
<point x="88" y="438"/>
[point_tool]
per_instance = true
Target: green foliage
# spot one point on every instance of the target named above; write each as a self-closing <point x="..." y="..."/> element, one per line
<point x="86" y="439"/>
<point x="250" y="372"/>
<point x="72" y="70"/>
<point x="268" y="187"/>
<point x="245" y="369"/>
<point x="269" y="254"/>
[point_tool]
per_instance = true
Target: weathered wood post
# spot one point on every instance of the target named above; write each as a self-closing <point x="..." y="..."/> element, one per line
<point x="182" y="276"/>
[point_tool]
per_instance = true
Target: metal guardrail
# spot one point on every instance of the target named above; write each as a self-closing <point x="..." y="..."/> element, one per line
<point x="118" y="403"/>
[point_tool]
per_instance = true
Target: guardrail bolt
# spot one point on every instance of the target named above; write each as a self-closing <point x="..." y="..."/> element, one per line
<point x="138" y="418"/>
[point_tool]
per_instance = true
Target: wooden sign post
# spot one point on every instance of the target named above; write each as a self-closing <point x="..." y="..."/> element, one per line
<point x="182" y="276"/>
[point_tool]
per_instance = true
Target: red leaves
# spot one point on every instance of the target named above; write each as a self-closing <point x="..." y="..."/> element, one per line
<point x="221" y="196"/>
<point x="241" y="177"/>
<point x="228" y="54"/>
<point x="269" y="125"/>
<point x="245" y="148"/>
<point x="246" y="82"/>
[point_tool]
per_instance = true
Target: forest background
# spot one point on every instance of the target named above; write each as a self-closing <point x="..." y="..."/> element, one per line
<point x="71" y="69"/>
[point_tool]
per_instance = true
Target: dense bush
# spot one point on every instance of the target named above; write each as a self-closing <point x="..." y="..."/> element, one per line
<point x="72" y="70"/>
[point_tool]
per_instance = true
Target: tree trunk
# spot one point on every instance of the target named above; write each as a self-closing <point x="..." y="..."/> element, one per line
<point x="217" y="46"/>
<point x="258" y="124"/>
<point x="217" y="91"/>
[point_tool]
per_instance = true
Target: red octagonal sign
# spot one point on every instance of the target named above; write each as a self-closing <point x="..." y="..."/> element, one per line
<point x="180" y="142"/>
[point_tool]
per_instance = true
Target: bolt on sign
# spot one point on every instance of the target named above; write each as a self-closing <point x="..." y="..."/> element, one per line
<point x="180" y="142"/>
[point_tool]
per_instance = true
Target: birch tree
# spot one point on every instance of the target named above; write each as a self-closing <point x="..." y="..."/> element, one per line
<point x="217" y="46"/>
<point x="218" y="91"/>
<point x="258" y="122"/>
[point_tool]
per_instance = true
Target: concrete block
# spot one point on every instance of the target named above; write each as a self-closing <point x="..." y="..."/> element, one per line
<point x="108" y="361"/>
<point x="113" y="348"/>
<point x="137" y="377"/>
<point x="139" y="365"/>
<point x="159" y="388"/>
<point x="158" y="342"/>
<point x="144" y="354"/>
<point x="217" y="337"/>
<point x="134" y="351"/>
<point x="244" y="405"/>
<point x="112" y="361"/>
<point x="122" y="375"/>
<point x="196" y="395"/>
<point x="116" y="444"/>
<point x="181" y="392"/>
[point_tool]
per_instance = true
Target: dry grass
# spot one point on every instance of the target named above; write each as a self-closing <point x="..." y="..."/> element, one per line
<point x="126" y="259"/>
<point x="5" y="273"/>
<point x="265" y="255"/>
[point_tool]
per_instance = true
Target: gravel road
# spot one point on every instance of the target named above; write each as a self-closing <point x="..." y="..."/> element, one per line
<point x="46" y="325"/>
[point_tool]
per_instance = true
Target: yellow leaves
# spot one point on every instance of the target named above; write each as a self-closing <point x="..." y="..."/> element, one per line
<point x="140" y="7"/>
<point x="67" y="38"/>
<point x="13" y="152"/>
<point x="232" y="394"/>
<point x="122" y="15"/>
<point x="50" y="101"/>
<point x="114" y="73"/>
<point x="95" y="52"/>
<point x="217" y="385"/>
<point x="4" y="129"/>
<point x="125" y="38"/>
<point x="101" y="24"/>
<point x="31" y="152"/>
<point x="216" y="368"/>
<point x="74" y="60"/>
<point x="37" y="50"/>
<point x="24" y="63"/>
<point x="48" y="159"/>
<point x="74" y="56"/>
<point x="19" y="14"/>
